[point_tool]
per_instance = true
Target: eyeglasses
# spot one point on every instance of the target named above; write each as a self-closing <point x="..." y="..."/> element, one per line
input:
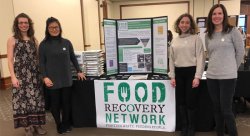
<point x="53" y="27"/>
<point x="20" y="23"/>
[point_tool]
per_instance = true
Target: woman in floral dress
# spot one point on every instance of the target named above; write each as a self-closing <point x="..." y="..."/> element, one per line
<point x="28" y="101"/>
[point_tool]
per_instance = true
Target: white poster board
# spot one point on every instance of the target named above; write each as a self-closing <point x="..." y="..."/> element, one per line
<point x="136" y="105"/>
<point x="111" y="46"/>
<point x="160" y="45"/>
<point x="136" y="45"/>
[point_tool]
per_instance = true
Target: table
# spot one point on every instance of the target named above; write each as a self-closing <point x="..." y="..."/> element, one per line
<point x="84" y="110"/>
<point x="83" y="107"/>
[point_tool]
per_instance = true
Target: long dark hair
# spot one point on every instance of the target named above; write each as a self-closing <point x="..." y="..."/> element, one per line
<point x="193" y="28"/>
<point x="48" y="22"/>
<point x="226" y="27"/>
<point x="16" y="31"/>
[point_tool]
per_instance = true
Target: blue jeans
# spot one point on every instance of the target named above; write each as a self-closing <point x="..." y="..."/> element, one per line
<point x="221" y="92"/>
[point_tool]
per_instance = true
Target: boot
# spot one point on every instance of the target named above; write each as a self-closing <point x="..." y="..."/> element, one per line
<point x="191" y="122"/>
<point x="184" y="123"/>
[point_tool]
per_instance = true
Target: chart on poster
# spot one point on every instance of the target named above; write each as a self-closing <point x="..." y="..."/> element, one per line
<point x="134" y="46"/>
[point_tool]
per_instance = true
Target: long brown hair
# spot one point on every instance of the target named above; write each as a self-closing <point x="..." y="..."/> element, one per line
<point x="16" y="31"/>
<point x="226" y="27"/>
<point x="193" y="27"/>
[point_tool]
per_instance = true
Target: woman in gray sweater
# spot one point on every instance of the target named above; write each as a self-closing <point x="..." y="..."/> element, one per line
<point x="186" y="63"/>
<point x="225" y="50"/>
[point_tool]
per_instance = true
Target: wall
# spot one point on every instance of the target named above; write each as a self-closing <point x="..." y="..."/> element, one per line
<point x="91" y="24"/>
<point x="7" y="16"/>
<point x="67" y="11"/>
<point x="202" y="7"/>
<point x="116" y="5"/>
<point x="232" y="6"/>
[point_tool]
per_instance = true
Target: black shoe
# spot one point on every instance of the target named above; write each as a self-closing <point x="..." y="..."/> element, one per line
<point x="61" y="130"/>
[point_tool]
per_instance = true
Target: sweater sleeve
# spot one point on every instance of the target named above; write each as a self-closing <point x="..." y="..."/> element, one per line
<point x="42" y="59"/>
<point x="200" y="58"/>
<point x="238" y="46"/>
<point x="73" y="57"/>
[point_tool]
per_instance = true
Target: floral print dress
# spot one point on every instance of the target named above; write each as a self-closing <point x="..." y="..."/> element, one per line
<point x="28" y="100"/>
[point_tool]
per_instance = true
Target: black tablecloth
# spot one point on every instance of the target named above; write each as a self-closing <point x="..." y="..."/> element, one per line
<point x="84" y="113"/>
<point x="243" y="84"/>
<point x="83" y="104"/>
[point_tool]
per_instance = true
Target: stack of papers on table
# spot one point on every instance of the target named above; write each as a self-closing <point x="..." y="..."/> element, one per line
<point x="93" y="63"/>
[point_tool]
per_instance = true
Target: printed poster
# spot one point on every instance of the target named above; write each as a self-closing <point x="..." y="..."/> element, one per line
<point x="160" y="45"/>
<point x="134" y="46"/>
<point x="111" y="46"/>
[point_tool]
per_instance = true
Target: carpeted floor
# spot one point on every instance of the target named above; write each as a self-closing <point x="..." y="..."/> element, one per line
<point x="6" y="124"/>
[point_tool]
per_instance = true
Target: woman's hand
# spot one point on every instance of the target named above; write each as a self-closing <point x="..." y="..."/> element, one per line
<point x="172" y="82"/>
<point x="47" y="82"/>
<point x="81" y="76"/>
<point x="196" y="82"/>
<point x="15" y="82"/>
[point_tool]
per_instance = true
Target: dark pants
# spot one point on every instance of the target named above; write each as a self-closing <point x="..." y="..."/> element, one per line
<point x="185" y="94"/>
<point x="221" y="93"/>
<point x="186" y="98"/>
<point x="60" y="102"/>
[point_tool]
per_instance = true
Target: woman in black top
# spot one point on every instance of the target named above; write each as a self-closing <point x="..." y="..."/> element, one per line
<point x="56" y="54"/>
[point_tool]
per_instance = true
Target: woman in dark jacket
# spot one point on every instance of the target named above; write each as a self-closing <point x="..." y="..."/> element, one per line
<point x="56" y="54"/>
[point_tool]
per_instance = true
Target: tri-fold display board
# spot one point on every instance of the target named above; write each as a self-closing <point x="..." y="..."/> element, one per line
<point x="136" y="45"/>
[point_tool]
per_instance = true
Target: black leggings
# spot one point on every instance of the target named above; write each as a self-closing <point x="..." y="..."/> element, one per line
<point x="221" y="93"/>
<point x="60" y="102"/>
<point x="185" y="94"/>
